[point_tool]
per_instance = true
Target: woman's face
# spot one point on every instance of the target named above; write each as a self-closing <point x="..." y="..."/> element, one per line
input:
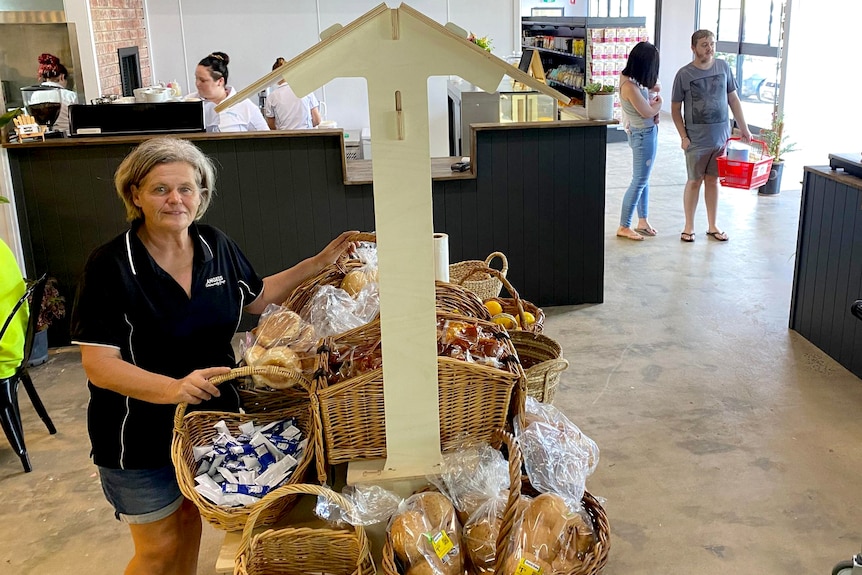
<point x="208" y="88"/>
<point x="169" y="197"/>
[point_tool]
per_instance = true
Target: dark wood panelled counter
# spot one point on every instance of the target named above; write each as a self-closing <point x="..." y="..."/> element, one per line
<point x="536" y="193"/>
<point x="828" y="273"/>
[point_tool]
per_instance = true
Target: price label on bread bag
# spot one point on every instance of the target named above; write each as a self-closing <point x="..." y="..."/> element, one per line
<point x="442" y="544"/>
<point x="527" y="567"/>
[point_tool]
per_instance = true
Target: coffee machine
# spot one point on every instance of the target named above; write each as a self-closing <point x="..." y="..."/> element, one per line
<point x="44" y="103"/>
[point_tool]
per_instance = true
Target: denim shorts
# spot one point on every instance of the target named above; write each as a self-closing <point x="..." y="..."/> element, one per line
<point x="141" y="495"/>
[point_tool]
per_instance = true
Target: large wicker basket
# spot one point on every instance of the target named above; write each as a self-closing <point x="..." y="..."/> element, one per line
<point x="306" y="550"/>
<point x="196" y="428"/>
<point x="543" y="362"/>
<point x="595" y="559"/>
<point x="450" y="298"/>
<point x="481" y="283"/>
<point x="474" y="401"/>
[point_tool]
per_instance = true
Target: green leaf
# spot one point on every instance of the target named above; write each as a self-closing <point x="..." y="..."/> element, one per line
<point x="7" y="117"/>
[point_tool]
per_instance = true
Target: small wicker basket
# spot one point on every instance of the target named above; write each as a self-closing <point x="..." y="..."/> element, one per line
<point x="543" y="362"/>
<point x="307" y="550"/>
<point x="196" y="428"/>
<point x="515" y="306"/>
<point x="482" y="283"/>
<point x="474" y="401"/>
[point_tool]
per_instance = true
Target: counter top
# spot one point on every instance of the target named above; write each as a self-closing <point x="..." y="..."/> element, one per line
<point x="836" y="175"/>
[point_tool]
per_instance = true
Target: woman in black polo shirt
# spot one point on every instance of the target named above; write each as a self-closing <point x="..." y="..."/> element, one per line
<point x="155" y="313"/>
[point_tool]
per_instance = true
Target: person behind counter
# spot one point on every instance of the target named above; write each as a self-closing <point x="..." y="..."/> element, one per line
<point x="154" y="316"/>
<point x="211" y="82"/>
<point x="53" y="74"/>
<point x="284" y="110"/>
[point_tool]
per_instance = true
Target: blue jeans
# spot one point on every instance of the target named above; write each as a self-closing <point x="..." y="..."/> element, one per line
<point x="643" y="142"/>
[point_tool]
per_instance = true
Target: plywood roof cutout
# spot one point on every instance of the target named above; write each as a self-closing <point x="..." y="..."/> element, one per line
<point x="396" y="51"/>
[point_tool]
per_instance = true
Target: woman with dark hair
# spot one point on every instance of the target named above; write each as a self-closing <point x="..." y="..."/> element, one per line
<point x="53" y="74"/>
<point x="284" y="110"/>
<point x="212" y="87"/>
<point x="155" y="313"/>
<point x="637" y="80"/>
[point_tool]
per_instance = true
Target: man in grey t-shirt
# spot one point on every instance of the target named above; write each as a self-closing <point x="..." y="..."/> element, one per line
<point x="707" y="88"/>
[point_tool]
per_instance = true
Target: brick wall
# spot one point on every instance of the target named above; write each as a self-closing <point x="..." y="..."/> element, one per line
<point x="118" y="24"/>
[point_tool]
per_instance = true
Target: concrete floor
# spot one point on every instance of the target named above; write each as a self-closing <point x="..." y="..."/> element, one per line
<point x="727" y="441"/>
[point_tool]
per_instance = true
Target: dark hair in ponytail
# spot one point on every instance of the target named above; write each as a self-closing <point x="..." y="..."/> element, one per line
<point x="50" y="67"/>
<point x="217" y="63"/>
<point x="278" y="63"/>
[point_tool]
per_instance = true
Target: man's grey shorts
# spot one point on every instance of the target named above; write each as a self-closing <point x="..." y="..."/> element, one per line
<point x="700" y="162"/>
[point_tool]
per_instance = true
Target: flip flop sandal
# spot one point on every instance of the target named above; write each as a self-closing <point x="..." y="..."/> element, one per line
<point x="646" y="231"/>
<point x="688" y="238"/>
<point x="718" y="236"/>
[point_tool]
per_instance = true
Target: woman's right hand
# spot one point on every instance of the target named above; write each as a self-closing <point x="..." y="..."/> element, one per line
<point x="195" y="387"/>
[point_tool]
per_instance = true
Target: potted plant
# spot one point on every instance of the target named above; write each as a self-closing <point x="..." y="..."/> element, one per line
<point x="776" y="146"/>
<point x="483" y="42"/>
<point x="600" y="101"/>
<point x="53" y="307"/>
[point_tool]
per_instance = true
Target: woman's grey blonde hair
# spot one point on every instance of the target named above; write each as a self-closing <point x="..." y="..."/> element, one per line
<point x="157" y="151"/>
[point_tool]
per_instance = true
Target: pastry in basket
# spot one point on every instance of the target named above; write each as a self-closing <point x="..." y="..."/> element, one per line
<point x="279" y="327"/>
<point x="355" y="280"/>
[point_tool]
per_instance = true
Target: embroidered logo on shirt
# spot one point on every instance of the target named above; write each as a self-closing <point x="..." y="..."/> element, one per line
<point x="215" y="281"/>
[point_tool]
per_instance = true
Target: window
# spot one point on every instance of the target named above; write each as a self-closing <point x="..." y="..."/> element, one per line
<point x="748" y="36"/>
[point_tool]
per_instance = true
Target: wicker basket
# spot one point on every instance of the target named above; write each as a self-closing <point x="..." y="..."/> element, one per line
<point x="543" y="362"/>
<point x="474" y="401"/>
<point x="595" y="560"/>
<point x="451" y="298"/>
<point x="515" y="306"/>
<point x="303" y="550"/>
<point x="481" y="283"/>
<point x="196" y="428"/>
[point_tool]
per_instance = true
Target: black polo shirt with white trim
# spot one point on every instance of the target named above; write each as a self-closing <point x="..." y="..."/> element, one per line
<point x="126" y="301"/>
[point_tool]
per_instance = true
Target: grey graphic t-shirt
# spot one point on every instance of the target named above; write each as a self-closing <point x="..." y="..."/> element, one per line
<point x="704" y="97"/>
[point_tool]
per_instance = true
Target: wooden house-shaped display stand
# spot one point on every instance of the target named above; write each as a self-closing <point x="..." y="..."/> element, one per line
<point x="396" y="51"/>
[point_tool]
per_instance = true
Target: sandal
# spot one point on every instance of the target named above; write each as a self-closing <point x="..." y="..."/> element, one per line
<point x="718" y="236"/>
<point x="646" y="231"/>
<point x="686" y="237"/>
<point x="636" y="237"/>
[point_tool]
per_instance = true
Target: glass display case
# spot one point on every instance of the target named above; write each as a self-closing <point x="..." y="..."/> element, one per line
<point x="512" y="102"/>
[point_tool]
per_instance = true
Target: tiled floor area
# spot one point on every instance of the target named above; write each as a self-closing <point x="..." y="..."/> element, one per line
<point x="729" y="444"/>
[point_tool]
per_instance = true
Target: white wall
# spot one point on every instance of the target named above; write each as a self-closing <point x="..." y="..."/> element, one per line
<point x="677" y="26"/>
<point x="78" y="12"/>
<point x="821" y="52"/>
<point x="255" y="33"/>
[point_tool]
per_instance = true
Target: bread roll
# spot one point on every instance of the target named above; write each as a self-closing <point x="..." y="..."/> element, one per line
<point x="438" y="510"/>
<point x="355" y="280"/>
<point x="280" y="326"/>
<point x="480" y="542"/>
<point x="406" y="532"/>
<point x="543" y="526"/>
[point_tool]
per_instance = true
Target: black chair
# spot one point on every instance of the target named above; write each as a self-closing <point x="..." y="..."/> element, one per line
<point x="9" y="412"/>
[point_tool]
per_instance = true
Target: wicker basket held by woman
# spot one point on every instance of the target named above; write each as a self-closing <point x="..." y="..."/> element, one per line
<point x="196" y="428"/>
<point x="482" y="284"/>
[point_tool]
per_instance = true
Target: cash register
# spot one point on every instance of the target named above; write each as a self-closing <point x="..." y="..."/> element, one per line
<point x="139" y="118"/>
<point x="850" y="163"/>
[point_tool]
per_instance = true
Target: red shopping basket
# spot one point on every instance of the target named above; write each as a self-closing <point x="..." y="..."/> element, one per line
<point x="745" y="175"/>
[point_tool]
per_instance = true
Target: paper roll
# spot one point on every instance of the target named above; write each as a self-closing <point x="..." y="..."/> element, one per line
<point x="441" y="257"/>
